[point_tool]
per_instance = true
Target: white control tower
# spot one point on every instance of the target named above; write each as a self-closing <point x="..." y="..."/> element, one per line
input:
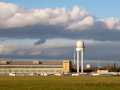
<point x="80" y="48"/>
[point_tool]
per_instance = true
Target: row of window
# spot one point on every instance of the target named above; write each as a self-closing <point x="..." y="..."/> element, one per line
<point x="31" y="67"/>
<point x="30" y="70"/>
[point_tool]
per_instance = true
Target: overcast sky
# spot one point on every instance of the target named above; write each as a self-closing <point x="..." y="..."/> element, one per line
<point x="38" y="29"/>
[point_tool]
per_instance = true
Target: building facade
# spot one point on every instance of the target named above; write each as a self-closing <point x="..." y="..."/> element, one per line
<point x="7" y="67"/>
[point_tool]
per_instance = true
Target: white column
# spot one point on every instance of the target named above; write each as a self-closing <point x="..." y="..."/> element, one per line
<point x="74" y="56"/>
<point x="78" y="61"/>
<point x="81" y="61"/>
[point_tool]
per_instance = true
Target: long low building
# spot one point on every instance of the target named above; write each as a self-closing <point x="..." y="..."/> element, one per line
<point x="7" y="67"/>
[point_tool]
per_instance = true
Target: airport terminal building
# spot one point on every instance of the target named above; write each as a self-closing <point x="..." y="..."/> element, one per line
<point x="19" y="67"/>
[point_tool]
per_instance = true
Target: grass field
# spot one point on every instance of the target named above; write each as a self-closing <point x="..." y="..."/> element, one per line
<point x="59" y="83"/>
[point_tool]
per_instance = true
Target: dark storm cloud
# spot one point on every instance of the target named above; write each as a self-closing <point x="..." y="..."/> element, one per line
<point x="57" y="31"/>
<point x="41" y="41"/>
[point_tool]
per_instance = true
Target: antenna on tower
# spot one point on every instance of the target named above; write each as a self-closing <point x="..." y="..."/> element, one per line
<point x="74" y="56"/>
<point x="98" y="64"/>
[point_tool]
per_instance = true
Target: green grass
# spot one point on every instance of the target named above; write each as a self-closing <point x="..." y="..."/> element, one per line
<point x="59" y="83"/>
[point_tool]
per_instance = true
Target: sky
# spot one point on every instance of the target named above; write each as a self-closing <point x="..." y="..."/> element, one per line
<point x="49" y="29"/>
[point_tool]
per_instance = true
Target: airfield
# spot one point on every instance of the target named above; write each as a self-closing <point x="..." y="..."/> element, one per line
<point x="59" y="83"/>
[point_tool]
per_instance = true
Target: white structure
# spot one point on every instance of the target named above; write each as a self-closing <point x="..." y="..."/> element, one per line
<point x="80" y="48"/>
<point x="12" y="74"/>
<point x="102" y="71"/>
<point x="75" y="74"/>
<point x="88" y="66"/>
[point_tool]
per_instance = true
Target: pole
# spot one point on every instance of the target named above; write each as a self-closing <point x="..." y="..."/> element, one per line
<point x="78" y="61"/>
<point x="81" y="61"/>
<point x="98" y="64"/>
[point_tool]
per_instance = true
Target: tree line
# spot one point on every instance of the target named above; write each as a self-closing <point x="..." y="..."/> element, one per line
<point x="111" y="67"/>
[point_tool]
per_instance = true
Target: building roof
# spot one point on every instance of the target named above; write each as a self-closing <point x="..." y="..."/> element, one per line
<point x="30" y="63"/>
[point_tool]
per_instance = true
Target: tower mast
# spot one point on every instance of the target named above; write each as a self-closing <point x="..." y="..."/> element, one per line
<point x="74" y="56"/>
<point x="98" y="64"/>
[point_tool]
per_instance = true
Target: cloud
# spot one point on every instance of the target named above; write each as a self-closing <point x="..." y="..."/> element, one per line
<point x="41" y="41"/>
<point x="18" y="49"/>
<point x="21" y="23"/>
<point x="2" y="39"/>
<point x="112" y="23"/>
<point x="83" y="24"/>
<point x="18" y="22"/>
<point x="49" y="50"/>
<point x="94" y="50"/>
<point x="12" y="49"/>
